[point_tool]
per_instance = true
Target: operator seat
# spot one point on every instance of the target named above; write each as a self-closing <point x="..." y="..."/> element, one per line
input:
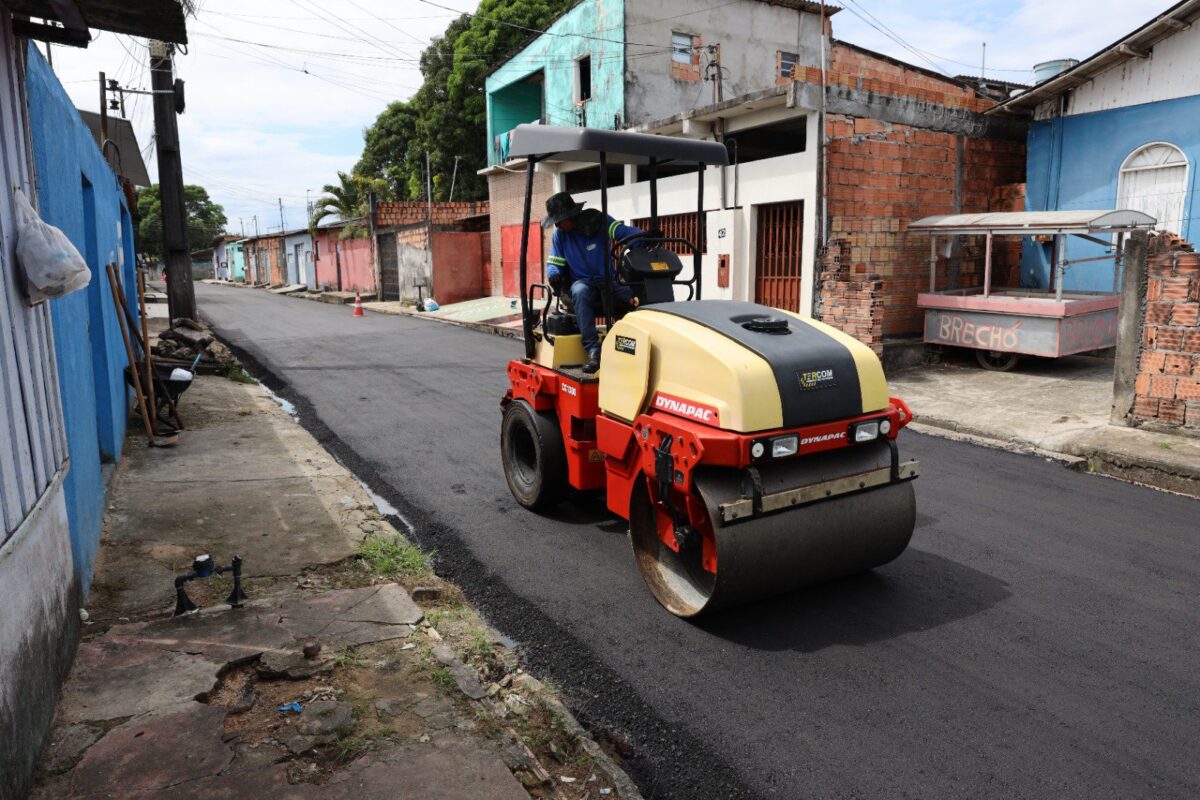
<point x="651" y="271"/>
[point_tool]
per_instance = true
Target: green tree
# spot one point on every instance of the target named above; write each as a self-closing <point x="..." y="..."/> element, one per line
<point x="347" y="200"/>
<point x="447" y="117"/>
<point x="205" y="219"/>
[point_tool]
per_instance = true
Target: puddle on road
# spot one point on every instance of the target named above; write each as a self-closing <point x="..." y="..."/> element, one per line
<point x="385" y="508"/>
<point x="290" y="408"/>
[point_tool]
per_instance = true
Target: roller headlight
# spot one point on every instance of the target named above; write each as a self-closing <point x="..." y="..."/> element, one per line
<point x="757" y="449"/>
<point x="866" y="431"/>
<point x="885" y="427"/>
<point x="784" y="446"/>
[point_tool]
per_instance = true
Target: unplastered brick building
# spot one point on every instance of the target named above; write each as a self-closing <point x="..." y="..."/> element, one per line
<point x="834" y="150"/>
<point x="904" y="144"/>
<point x="439" y="250"/>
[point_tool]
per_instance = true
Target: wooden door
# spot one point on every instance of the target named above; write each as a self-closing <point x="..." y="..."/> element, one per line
<point x="779" y="261"/>
<point x="510" y="257"/>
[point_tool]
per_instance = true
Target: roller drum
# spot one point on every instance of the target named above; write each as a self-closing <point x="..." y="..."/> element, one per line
<point x="783" y="551"/>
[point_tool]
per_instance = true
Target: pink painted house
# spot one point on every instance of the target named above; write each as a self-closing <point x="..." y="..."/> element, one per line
<point x="344" y="265"/>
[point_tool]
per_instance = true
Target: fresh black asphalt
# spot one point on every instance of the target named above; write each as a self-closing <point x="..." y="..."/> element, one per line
<point x="1037" y="640"/>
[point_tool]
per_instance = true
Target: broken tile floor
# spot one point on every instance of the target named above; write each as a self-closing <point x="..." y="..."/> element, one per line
<point x="201" y="705"/>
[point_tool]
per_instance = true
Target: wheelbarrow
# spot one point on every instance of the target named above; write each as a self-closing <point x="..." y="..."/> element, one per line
<point x="169" y="389"/>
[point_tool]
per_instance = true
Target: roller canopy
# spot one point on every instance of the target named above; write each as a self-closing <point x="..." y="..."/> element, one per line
<point x="556" y="143"/>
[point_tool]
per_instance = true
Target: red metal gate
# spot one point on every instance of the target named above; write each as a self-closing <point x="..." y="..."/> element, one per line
<point x="779" y="261"/>
<point x="510" y="257"/>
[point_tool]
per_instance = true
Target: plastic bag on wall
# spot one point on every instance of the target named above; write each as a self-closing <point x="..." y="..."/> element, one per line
<point x="52" y="265"/>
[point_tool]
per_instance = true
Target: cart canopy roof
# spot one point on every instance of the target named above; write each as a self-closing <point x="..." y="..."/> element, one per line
<point x="1033" y="223"/>
<point x="555" y="143"/>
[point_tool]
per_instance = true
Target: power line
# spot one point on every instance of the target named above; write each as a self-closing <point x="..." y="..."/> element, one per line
<point x="889" y="33"/>
<point x="385" y="22"/>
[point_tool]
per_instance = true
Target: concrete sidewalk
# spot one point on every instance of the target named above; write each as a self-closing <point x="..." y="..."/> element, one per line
<point x="391" y="698"/>
<point x="1058" y="407"/>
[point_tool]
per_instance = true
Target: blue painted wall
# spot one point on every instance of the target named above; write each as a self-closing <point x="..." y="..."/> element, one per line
<point x="512" y="99"/>
<point x="1073" y="163"/>
<point x="78" y="193"/>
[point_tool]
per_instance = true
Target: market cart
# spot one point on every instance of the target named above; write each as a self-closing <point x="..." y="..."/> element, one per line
<point x="1002" y="324"/>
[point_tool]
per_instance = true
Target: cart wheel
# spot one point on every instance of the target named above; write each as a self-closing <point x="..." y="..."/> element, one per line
<point x="996" y="361"/>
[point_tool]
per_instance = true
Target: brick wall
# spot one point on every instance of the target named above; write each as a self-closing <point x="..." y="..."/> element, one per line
<point x="410" y="212"/>
<point x="851" y="302"/>
<point x="507" y="196"/>
<point x="859" y="69"/>
<point x="882" y="176"/>
<point x="1006" y="251"/>
<point x="1167" y="388"/>
<point x="414" y="235"/>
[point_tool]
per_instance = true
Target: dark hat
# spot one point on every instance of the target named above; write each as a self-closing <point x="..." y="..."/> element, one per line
<point x="559" y="207"/>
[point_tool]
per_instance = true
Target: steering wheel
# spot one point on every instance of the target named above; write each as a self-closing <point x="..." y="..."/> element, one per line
<point x="624" y="243"/>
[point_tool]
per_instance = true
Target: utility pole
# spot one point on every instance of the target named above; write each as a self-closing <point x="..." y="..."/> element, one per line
<point x="242" y="223"/>
<point x="282" y="224"/>
<point x="181" y="295"/>
<point x="714" y="68"/>
<point x="453" y="178"/>
<point x="103" y="110"/>
<point x="429" y="223"/>
<point x="256" y="225"/>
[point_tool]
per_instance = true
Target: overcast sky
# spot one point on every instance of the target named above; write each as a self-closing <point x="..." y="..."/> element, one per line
<point x="278" y="113"/>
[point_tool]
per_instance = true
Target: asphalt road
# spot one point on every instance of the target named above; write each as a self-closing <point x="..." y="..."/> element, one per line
<point x="1038" y="639"/>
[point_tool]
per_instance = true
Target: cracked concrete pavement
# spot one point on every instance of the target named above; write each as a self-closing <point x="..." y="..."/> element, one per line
<point x="185" y="706"/>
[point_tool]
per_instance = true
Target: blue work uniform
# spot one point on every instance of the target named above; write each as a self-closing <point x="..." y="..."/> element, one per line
<point x="583" y="259"/>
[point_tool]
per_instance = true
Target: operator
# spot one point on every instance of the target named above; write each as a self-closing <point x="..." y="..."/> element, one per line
<point x="580" y="252"/>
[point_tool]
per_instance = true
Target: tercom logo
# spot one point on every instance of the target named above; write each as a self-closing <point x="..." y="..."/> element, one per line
<point x="817" y="378"/>
<point x="682" y="408"/>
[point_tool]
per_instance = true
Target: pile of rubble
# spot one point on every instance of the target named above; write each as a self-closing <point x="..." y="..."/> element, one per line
<point x="186" y="339"/>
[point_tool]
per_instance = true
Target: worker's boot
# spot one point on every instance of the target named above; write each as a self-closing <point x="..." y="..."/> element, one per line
<point x="593" y="362"/>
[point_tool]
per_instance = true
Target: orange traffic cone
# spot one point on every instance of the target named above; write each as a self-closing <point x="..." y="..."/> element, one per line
<point x="358" y="309"/>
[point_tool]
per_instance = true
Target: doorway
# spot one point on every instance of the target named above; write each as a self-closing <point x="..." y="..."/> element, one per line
<point x="778" y="280"/>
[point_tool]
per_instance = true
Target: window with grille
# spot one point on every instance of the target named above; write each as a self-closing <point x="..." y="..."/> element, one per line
<point x="786" y="61"/>
<point x="676" y="226"/>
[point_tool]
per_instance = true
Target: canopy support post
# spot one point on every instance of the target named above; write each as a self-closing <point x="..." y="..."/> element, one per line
<point x="526" y="319"/>
<point x="1060" y="264"/>
<point x="933" y="262"/>
<point x="608" y="262"/>
<point x="987" y="266"/>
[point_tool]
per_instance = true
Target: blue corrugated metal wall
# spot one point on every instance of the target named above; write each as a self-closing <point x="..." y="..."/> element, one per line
<point x="1074" y="163"/>
<point x="78" y="193"/>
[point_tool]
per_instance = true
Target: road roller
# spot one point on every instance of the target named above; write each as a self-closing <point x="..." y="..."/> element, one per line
<point x="753" y="451"/>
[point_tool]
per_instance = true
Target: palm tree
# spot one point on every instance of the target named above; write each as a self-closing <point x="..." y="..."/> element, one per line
<point x="344" y="201"/>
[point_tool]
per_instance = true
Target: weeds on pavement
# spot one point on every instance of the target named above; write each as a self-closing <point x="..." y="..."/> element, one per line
<point x="392" y="556"/>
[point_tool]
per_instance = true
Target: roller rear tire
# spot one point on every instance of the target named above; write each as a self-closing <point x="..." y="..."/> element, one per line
<point x="535" y="462"/>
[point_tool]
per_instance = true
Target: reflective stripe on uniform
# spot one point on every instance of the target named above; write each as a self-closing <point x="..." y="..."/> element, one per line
<point x="612" y="229"/>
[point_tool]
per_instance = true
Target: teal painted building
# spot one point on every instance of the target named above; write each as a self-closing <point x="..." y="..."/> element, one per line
<point x="236" y="256"/>
<point x="573" y="74"/>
